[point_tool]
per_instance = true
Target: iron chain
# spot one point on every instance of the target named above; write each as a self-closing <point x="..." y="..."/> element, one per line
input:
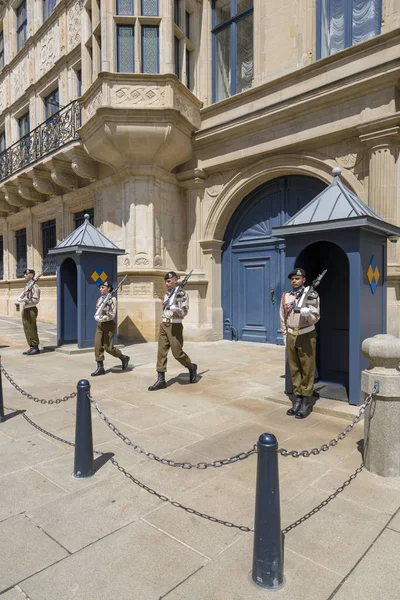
<point x="34" y="398"/>
<point x="334" y="441"/>
<point x="167" y="461"/>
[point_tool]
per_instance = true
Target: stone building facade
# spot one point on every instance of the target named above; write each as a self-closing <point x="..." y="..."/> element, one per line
<point x="162" y="118"/>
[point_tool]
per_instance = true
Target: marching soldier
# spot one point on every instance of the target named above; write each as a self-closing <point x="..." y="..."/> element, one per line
<point x="106" y="308"/>
<point x="298" y="329"/>
<point x="176" y="306"/>
<point x="30" y="298"/>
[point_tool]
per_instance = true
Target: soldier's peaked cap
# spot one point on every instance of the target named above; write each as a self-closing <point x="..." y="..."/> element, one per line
<point x="297" y="273"/>
<point x="170" y="275"/>
<point x="107" y="284"/>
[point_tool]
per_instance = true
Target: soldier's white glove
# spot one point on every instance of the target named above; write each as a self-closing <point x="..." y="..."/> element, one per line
<point x="305" y="312"/>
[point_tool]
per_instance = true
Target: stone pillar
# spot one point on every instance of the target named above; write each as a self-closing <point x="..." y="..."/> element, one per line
<point x="212" y="267"/>
<point x="167" y="55"/>
<point x="193" y="182"/>
<point x="382" y="417"/>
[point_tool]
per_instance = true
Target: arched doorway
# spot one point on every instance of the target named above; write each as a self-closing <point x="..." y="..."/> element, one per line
<point x="333" y="327"/>
<point x="253" y="272"/>
<point x="69" y="302"/>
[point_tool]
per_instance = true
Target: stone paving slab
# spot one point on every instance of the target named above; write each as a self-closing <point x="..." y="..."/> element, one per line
<point x="24" y="550"/>
<point x="148" y="564"/>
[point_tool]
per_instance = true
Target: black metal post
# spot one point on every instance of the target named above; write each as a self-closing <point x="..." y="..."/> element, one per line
<point x="84" y="462"/>
<point x="268" y="543"/>
<point x="2" y="417"/>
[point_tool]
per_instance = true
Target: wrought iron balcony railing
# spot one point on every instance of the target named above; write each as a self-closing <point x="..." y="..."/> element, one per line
<point x="56" y="131"/>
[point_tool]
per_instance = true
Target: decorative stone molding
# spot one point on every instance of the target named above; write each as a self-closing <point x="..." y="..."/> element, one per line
<point x="142" y="288"/>
<point x="19" y="79"/>
<point x="138" y="95"/>
<point x="13" y="197"/>
<point x="42" y="182"/>
<point x="141" y="260"/>
<point x="82" y="164"/>
<point x="62" y="174"/>
<point x="48" y="50"/>
<point x="26" y="191"/>
<point x="74" y="24"/>
<point x="6" y="207"/>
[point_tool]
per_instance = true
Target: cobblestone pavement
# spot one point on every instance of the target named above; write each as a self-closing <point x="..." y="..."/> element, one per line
<point x="104" y="536"/>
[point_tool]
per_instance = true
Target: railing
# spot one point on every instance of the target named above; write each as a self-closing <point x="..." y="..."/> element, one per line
<point x="55" y="132"/>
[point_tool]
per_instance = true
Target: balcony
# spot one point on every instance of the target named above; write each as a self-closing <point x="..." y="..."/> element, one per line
<point x="56" y="131"/>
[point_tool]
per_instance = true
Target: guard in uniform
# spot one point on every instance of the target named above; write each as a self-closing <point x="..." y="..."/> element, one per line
<point x="171" y="332"/>
<point x="106" y="327"/>
<point x="298" y="314"/>
<point x="30" y="299"/>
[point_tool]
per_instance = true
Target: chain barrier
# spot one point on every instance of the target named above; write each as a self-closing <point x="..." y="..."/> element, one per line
<point x="190" y="510"/>
<point x="334" y="441"/>
<point x="34" y="398"/>
<point x="169" y="462"/>
<point x="324" y="502"/>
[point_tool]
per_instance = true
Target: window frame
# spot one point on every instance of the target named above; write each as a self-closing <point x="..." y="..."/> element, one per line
<point x="149" y="14"/>
<point x="51" y="109"/>
<point x="1" y="257"/>
<point x="142" y="29"/>
<point x="79" y="217"/>
<point x="23" y="120"/>
<point x="21" y="268"/>
<point x="48" y="230"/>
<point x="230" y="23"/>
<point x="120" y="26"/>
<point x="48" y="7"/>
<point x="121" y="13"/>
<point x="2" y="61"/>
<point x="21" y="14"/>
<point x="3" y="141"/>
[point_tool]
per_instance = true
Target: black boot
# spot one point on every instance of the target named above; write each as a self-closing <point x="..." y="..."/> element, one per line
<point x="29" y="351"/>
<point x="125" y="360"/>
<point x="296" y="403"/>
<point x="100" y="369"/>
<point x="192" y="373"/>
<point x="159" y="384"/>
<point x="305" y="408"/>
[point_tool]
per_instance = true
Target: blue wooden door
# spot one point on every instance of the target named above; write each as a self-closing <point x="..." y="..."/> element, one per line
<point x="253" y="265"/>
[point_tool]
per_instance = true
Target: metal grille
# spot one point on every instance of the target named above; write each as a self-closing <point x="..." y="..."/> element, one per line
<point x="1" y="256"/>
<point x="125" y="49"/>
<point x="150" y="49"/>
<point x="57" y="131"/>
<point x="79" y="217"/>
<point x="150" y="8"/>
<point x="48" y="242"/>
<point x="20" y="242"/>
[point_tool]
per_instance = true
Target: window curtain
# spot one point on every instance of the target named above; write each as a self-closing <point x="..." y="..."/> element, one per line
<point x="222" y="66"/>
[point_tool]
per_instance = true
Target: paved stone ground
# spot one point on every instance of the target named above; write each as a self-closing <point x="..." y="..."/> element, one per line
<point x="103" y="537"/>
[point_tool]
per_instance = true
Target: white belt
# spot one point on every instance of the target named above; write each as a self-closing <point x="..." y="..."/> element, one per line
<point x="168" y="320"/>
<point x="298" y="331"/>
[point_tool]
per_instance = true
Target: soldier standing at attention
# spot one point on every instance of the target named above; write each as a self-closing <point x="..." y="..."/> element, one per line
<point x="106" y="308"/>
<point x="30" y="298"/>
<point x="298" y="329"/>
<point x="176" y="306"/>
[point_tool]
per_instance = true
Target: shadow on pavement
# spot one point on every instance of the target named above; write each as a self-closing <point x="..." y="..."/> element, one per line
<point x="101" y="460"/>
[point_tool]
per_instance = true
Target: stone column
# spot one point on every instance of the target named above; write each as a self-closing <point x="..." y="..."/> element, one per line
<point x="382" y="417"/>
<point x="193" y="182"/>
<point x="167" y="55"/>
<point x="212" y="267"/>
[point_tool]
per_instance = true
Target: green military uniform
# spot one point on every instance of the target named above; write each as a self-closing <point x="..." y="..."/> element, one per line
<point x="298" y="329"/>
<point x="30" y="299"/>
<point x="176" y="307"/>
<point x="106" y="309"/>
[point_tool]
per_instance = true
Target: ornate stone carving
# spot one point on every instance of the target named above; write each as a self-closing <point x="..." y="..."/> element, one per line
<point x="19" y="79"/>
<point x="48" y="52"/>
<point x="94" y="104"/>
<point x="215" y="185"/>
<point x="2" y="97"/>
<point x="184" y="106"/>
<point x="141" y="260"/>
<point x="154" y="96"/>
<point x="158" y="261"/>
<point x="74" y="24"/>
<point x="141" y="288"/>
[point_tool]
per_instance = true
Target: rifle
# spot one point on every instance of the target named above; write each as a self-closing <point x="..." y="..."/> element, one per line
<point x="30" y="285"/>
<point x="99" y="312"/>
<point x="310" y="289"/>
<point x="171" y="300"/>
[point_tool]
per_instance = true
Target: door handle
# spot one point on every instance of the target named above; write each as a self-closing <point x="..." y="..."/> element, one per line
<point x="273" y="294"/>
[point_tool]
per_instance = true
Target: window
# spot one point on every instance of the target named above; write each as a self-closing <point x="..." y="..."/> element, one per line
<point x="187" y="24"/>
<point x="177" y="50"/>
<point x="150" y="8"/>
<point x="1" y="49"/>
<point x="124" y="7"/>
<point x="79" y="217"/>
<point x="2" y="141"/>
<point x="341" y="24"/>
<point x="49" y="241"/>
<point x="188" y="73"/>
<point x="1" y="257"/>
<point x="51" y="104"/>
<point x="79" y="82"/>
<point x="22" y="21"/>
<point x="150" y="62"/>
<point x="48" y="7"/>
<point x="177" y="16"/>
<point x="23" y="125"/>
<point x="20" y="242"/>
<point x="232" y="47"/>
<point x="125" y="49"/>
